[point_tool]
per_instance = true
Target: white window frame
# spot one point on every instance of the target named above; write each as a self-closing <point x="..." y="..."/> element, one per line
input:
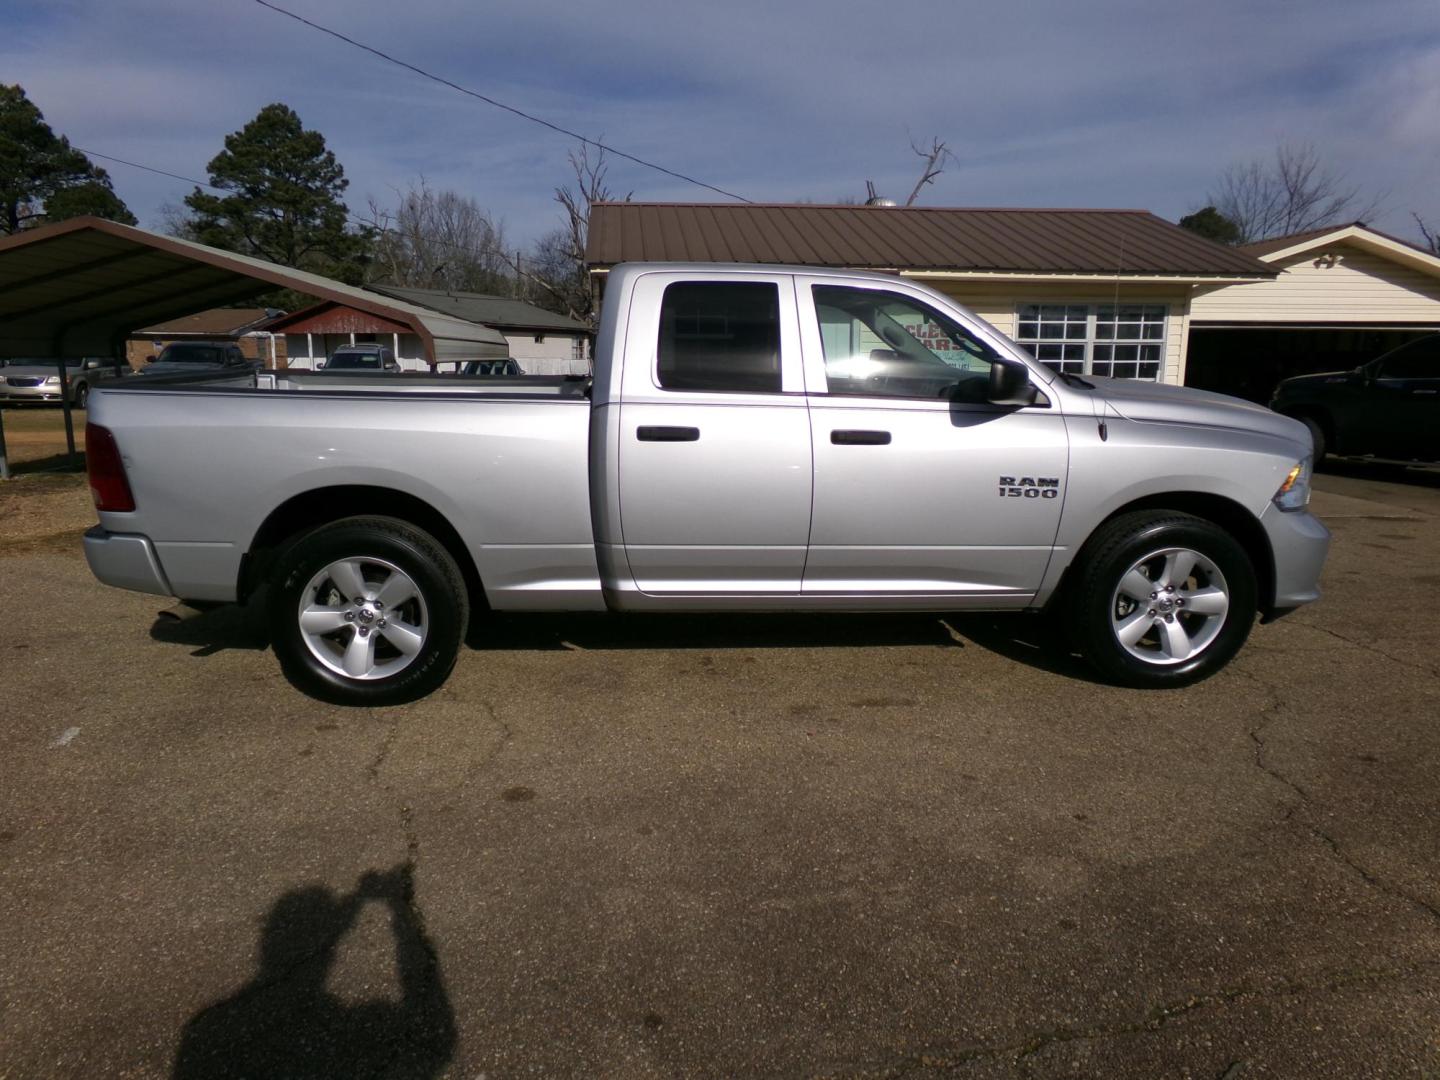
<point x="1150" y="313"/>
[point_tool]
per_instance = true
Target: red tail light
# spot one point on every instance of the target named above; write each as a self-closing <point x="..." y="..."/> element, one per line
<point x="108" y="485"/>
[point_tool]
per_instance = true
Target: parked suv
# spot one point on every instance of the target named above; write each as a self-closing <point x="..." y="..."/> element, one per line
<point x="39" y="379"/>
<point x="363" y="358"/>
<point x="1388" y="408"/>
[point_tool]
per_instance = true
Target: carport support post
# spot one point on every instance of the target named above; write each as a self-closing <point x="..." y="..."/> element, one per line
<point x="4" y="460"/>
<point x="65" y="404"/>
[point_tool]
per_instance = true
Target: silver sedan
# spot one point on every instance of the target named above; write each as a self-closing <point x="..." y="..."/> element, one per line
<point x="39" y="380"/>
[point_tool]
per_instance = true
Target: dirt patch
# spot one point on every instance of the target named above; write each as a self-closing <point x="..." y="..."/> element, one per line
<point x="35" y="437"/>
<point x="44" y="513"/>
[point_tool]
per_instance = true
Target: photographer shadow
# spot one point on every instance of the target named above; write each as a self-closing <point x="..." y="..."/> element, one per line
<point x="286" y="1022"/>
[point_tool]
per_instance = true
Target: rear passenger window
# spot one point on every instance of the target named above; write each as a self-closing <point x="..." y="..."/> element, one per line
<point x="720" y="336"/>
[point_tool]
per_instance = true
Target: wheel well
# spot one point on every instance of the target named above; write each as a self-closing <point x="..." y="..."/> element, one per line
<point x="1230" y="516"/>
<point x="311" y="509"/>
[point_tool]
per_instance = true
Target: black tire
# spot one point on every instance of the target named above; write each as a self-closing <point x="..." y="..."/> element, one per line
<point x="438" y="608"/>
<point x="1317" y="437"/>
<point x="82" y="395"/>
<point x="1098" y="605"/>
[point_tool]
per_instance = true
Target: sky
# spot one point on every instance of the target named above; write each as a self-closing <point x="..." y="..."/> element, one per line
<point x="1058" y="103"/>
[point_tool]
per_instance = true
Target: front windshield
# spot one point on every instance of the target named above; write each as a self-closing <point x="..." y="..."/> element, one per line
<point x="40" y="361"/>
<point x="354" y="360"/>
<point x="191" y="354"/>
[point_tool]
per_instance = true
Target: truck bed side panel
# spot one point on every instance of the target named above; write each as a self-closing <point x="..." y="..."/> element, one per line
<point x="509" y="475"/>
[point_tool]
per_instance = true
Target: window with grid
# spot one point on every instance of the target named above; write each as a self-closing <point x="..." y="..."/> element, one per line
<point x="1122" y="341"/>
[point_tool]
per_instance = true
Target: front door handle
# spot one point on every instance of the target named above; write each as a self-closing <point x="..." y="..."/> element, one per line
<point x="851" y="437"/>
<point x="659" y="433"/>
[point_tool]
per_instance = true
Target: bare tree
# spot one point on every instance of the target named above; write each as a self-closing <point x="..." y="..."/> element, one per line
<point x="1429" y="232"/>
<point x="1295" y="192"/>
<point x="559" y="280"/>
<point x="439" y="240"/>
<point x="935" y="158"/>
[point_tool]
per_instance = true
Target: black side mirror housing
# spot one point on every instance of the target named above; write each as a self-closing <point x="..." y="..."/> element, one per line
<point x="1010" y="383"/>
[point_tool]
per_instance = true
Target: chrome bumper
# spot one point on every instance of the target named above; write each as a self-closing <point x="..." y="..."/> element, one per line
<point x="125" y="560"/>
<point x="1299" y="542"/>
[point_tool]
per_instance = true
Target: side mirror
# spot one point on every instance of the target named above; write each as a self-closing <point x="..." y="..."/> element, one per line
<point x="1010" y="383"/>
<point x="319" y="365"/>
<point x="149" y="359"/>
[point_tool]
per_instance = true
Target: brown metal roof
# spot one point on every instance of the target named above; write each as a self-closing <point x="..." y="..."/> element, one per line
<point x="80" y="287"/>
<point x="1101" y="242"/>
<point x="214" y="322"/>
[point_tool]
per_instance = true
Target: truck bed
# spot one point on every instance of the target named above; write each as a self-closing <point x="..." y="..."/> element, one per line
<point x="213" y="457"/>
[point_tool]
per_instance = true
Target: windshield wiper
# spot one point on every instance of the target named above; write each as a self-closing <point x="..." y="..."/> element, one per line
<point x="1071" y="379"/>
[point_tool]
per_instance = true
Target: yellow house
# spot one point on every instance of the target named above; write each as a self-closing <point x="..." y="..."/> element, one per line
<point x="1343" y="295"/>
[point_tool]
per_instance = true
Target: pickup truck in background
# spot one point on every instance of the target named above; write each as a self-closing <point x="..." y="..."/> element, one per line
<point x="1388" y="408"/>
<point x="754" y="439"/>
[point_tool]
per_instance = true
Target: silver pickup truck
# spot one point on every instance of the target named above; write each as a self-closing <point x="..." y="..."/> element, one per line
<point x="754" y="439"/>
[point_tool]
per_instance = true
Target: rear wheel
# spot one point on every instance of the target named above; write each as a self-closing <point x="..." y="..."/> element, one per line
<point x="1161" y="599"/>
<point x="368" y="611"/>
<point x="82" y="395"/>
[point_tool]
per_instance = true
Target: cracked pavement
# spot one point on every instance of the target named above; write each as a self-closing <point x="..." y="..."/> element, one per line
<point x="791" y="846"/>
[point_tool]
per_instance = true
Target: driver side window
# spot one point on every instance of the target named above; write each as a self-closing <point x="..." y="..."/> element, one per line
<point x="883" y="344"/>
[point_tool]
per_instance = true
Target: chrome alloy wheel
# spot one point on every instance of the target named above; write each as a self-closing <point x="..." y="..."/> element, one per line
<point x="363" y="618"/>
<point x="1169" y="606"/>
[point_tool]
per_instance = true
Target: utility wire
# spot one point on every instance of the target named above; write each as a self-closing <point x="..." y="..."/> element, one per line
<point x="499" y="104"/>
<point x="369" y="223"/>
<point x="352" y="218"/>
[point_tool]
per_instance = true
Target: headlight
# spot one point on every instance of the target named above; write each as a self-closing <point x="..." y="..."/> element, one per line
<point x="1294" y="493"/>
<point x="53" y="380"/>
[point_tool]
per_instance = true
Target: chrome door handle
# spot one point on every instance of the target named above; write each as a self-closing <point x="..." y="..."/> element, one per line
<point x="852" y="437"/>
<point x="660" y="433"/>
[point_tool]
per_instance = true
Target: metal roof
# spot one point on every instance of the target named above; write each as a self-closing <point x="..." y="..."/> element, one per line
<point x="80" y="287"/>
<point x="212" y="322"/>
<point x="502" y="312"/>
<point x="940" y="239"/>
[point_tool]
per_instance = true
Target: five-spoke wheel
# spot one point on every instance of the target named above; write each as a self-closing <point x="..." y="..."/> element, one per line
<point x="368" y="611"/>
<point x="1161" y="599"/>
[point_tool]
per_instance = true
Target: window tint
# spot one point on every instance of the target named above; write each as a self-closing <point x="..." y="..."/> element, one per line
<point x="1418" y="360"/>
<point x="882" y="344"/>
<point x="720" y="336"/>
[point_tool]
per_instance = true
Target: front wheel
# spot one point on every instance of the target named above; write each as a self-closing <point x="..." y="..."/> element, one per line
<point x="367" y="611"/>
<point x="1161" y="599"/>
<point x="1317" y="439"/>
<point x="82" y="395"/>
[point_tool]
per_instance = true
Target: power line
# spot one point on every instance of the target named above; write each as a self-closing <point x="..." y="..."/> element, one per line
<point x="369" y="223"/>
<point x="146" y="168"/>
<point x="499" y="104"/>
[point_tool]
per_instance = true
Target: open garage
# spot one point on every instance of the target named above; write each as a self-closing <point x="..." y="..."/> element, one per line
<point x="1343" y="297"/>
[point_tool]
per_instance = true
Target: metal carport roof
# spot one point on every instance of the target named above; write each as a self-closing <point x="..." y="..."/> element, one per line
<point x="79" y="287"/>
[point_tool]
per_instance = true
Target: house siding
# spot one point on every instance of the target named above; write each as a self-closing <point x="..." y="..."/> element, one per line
<point x="1362" y="287"/>
<point x="998" y="302"/>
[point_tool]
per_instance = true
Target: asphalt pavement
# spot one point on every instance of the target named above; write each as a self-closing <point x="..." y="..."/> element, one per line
<point x="791" y="846"/>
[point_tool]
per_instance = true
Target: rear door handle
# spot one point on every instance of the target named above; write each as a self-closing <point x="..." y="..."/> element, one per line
<point x="851" y="437"/>
<point x="656" y="433"/>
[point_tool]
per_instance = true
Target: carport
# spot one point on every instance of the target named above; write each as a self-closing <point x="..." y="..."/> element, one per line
<point x="80" y="287"/>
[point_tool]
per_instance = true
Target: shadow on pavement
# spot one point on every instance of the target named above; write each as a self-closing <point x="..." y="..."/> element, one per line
<point x="1413" y="475"/>
<point x="286" y="1023"/>
<point x="1024" y="638"/>
<point x="226" y="626"/>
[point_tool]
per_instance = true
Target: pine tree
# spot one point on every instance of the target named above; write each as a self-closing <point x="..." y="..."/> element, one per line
<point x="282" y="199"/>
<point x="42" y="177"/>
